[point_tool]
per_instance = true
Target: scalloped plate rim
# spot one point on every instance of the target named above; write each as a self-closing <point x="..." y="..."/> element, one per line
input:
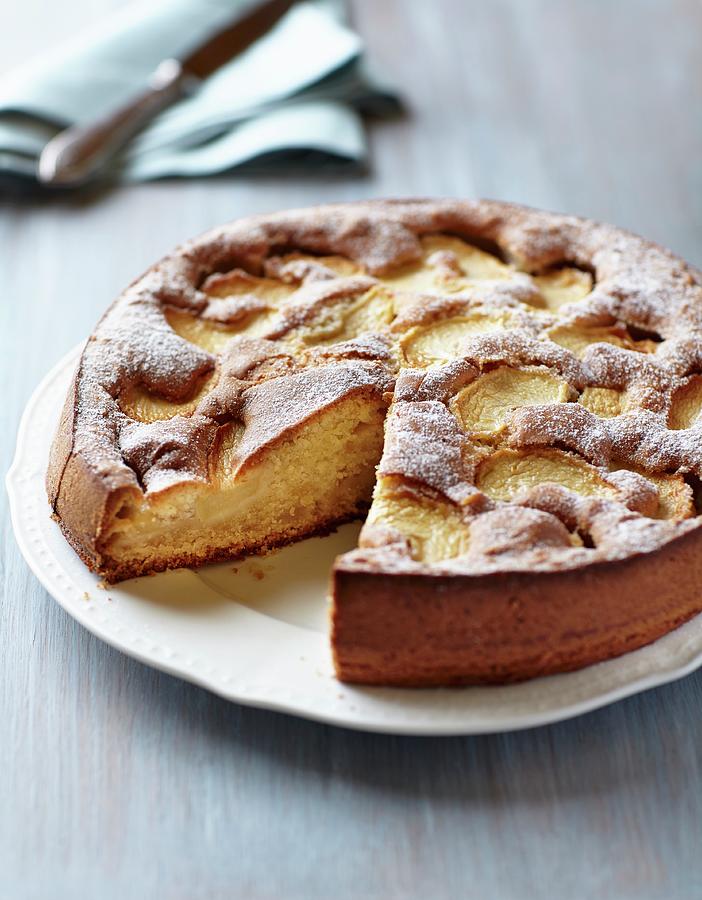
<point x="661" y="665"/>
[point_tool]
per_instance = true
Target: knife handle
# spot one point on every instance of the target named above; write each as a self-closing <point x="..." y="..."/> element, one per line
<point x="79" y="153"/>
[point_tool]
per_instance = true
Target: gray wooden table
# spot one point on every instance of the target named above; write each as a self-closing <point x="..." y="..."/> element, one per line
<point x="117" y="781"/>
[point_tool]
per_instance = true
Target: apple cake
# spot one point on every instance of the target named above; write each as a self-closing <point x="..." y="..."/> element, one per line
<point x="513" y="397"/>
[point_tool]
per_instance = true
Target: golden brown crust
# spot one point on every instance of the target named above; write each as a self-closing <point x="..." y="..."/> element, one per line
<point x="423" y="630"/>
<point x="644" y="321"/>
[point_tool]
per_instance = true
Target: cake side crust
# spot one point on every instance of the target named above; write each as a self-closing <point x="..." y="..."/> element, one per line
<point x="424" y="630"/>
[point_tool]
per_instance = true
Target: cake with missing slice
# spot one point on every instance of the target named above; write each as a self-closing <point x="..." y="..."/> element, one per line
<point x="512" y="396"/>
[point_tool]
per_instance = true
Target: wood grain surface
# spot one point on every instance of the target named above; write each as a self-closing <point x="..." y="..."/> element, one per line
<point x="120" y="782"/>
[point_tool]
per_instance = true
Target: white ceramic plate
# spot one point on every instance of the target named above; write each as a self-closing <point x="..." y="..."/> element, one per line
<point x="256" y="631"/>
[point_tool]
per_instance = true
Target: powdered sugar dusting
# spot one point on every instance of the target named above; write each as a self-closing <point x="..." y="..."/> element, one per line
<point x="646" y="301"/>
<point x="424" y="442"/>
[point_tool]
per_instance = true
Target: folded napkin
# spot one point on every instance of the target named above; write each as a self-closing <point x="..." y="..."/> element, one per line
<point x="294" y="98"/>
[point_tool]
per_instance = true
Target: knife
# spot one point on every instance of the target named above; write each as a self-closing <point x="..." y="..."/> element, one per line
<point x="80" y="153"/>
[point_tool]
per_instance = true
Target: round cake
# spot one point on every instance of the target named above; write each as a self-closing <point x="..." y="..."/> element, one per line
<point x="513" y="397"/>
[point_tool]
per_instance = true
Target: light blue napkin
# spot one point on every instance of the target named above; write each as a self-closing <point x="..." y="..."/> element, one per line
<point x="292" y="99"/>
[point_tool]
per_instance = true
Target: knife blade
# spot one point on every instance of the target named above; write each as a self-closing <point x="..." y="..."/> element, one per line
<point x="78" y="154"/>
